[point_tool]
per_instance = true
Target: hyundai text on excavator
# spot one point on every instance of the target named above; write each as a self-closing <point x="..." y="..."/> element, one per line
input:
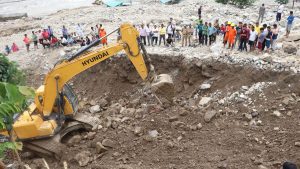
<point x="53" y="114"/>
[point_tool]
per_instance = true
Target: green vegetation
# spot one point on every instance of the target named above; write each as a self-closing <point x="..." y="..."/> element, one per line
<point x="282" y="1"/>
<point x="240" y="3"/>
<point x="13" y="100"/>
<point x="9" y="71"/>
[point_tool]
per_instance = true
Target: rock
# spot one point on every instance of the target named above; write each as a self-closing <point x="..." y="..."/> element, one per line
<point x="204" y="101"/>
<point x="277" y="113"/>
<point x="199" y="126"/>
<point x="91" y="135"/>
<point x="103" y="102"/>
<point x="95" y="109"/>
<point x="153" y="133"/>
<point x="248" y="117"/>
<point x="100" y="148"/>
<point x="83" y="158"/>
<point x="209" y="115"/>
<point x="297" y="143"/>
<point x="289" y="113"/>
<point x="108" y="143"/>
<point x="205" y="86"/>
<point x="93" y="103"/>
<point x="138" y="131"/>
<point x="183" y="113"/>
<point x="193" y="127"/>
<point x="276" y="128"/>
<point x="74" y="140"/>
<point x="173" y="118"/>
<point x="289" y="48"/>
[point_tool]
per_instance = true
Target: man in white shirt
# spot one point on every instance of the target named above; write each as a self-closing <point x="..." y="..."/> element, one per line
<point x="279" y="12"/>
<point x="252" y="38"/>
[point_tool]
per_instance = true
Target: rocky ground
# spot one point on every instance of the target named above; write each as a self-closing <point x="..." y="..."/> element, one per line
<point x="231" y="110"/>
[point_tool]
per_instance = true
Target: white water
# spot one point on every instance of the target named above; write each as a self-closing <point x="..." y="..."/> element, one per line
<point x="40" y="7"/>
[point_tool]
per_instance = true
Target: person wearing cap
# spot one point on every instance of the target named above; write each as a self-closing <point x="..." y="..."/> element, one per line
<point x="261" y="13"/>
<point x="103" y="34"/>
<point x="228" y="27"/>
<point x="231" y="36"/>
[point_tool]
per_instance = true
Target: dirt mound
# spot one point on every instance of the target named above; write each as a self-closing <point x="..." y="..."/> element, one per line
<point x="222" y="116"/>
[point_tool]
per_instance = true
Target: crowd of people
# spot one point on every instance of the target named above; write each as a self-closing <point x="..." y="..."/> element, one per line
<point x="47" y="38"/>
<point x="242" y="36"/>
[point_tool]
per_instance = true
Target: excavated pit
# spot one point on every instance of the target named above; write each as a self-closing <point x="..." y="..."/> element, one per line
<point x="222" y="116"/>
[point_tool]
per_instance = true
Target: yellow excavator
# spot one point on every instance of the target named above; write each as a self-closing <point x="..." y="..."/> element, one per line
<point x="53" y="114"/>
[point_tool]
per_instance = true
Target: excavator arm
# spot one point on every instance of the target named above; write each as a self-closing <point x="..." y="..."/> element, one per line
<point x="63" y="72"/>
<point x="52" y="115"/>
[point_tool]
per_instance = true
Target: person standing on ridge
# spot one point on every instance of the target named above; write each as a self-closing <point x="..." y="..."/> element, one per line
<point x="279" y="12"/>
<point x="290" y="20"/>
<point x="262" y="11"/>
<point x="199" y="12"/>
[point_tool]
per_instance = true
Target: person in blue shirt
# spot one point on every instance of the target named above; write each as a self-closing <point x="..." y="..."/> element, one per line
<point x="199" y="29"/>
<point x="211" y="33"/>
<point x="290" y="20"/>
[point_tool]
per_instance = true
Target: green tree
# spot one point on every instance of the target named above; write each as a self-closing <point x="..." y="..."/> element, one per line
<point x="240" y="3"/>
<point x="282" y="1"/>
<point x="9" y="71"/>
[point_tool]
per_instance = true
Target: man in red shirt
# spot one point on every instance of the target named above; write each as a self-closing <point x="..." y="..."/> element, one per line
<point x="244" y="36"/>
<point x="45" y="34"/>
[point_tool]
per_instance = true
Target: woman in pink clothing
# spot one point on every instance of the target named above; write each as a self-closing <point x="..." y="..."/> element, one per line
<point x="14" y="47"/>
<point x="26" y="40"/>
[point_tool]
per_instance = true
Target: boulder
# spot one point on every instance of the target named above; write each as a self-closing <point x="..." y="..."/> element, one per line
<point x="204" y="101"/>
<point x="95" y="109"/>
<point x="209" y="115"/>
<point x="100" y="148"/>
<point x="83" y="158"/>
<point x="108" y="143"/>
<point x="290" y="47"/>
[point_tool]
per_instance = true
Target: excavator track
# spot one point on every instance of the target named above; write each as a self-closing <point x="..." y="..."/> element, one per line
<point x="52" y="147"/>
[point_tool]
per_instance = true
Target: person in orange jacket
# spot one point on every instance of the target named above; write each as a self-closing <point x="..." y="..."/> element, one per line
<point x="102" y="33"/>
<point x="227" y="29"/>
<point x="231" y="36"/>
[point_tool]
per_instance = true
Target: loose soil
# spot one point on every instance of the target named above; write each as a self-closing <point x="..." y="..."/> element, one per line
<point x="228" y="140"/>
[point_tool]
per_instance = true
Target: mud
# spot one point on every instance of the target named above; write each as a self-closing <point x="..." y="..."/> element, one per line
<point x="184" y="134"/>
